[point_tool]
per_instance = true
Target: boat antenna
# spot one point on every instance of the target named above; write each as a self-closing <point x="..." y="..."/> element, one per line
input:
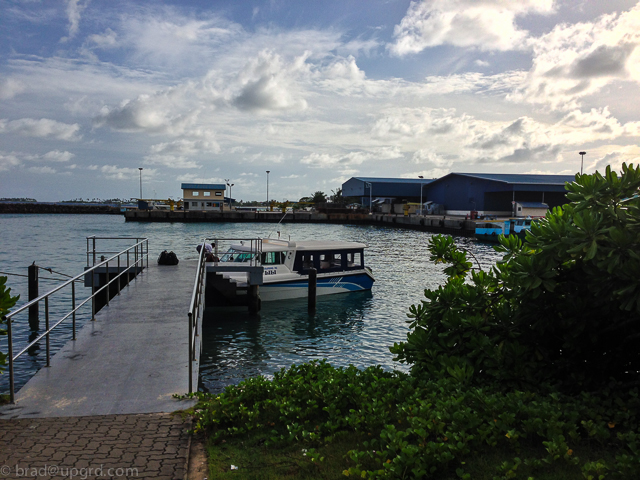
<point x="274" y="228"/>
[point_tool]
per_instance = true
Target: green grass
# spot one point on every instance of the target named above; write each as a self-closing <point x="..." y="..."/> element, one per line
<point x="4" y="399"/>
<point x="255" y="461"/>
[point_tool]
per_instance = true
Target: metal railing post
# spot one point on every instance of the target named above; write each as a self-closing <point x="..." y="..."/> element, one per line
<point x="190" y="353"/>
<point x="73" y="306"/>
<point x="108" y="282"/>
<point x="118" y="274"/>
<point x="93" y="295"/>
<point x="147" y="245"/>
<point x="12" y="393"/>
<point x="94" y="251"/>
<point x="46" y="326"/>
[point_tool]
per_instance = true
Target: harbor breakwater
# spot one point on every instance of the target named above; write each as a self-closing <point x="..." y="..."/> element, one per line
<point x="37" y="207"/>
<point x="430" y="223"/>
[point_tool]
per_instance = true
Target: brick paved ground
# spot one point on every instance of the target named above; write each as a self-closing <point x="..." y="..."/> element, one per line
<point x="120" y="446"/>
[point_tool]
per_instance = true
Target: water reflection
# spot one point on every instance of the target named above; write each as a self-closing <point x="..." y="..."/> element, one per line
<point x="237" y="345"/>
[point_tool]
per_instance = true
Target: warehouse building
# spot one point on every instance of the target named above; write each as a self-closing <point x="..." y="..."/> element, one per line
<point x="462" y="193"/>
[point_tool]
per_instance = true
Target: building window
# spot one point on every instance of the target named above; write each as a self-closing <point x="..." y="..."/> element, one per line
<point x="195" y="194"/>
<point x="209" y="204"/>
<point x="194" y="204"/>
<point x="206" y="194"/>
<point x="218" y="194"/>
<point x="202" y="204"/>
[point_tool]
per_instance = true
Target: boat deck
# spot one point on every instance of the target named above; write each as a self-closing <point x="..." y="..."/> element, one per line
<point x="132" y="359"/>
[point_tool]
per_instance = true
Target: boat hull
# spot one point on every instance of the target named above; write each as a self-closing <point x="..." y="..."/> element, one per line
<point x="326" y="285"/>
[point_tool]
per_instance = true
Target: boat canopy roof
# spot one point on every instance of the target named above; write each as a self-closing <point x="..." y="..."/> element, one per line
<point x="276" y="245"/>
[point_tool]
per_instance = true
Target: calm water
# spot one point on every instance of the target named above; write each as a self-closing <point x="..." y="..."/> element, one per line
<point x="354" y="328"/>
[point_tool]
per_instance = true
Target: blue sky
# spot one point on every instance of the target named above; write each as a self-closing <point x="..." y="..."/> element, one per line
<point x="315" y="92"/>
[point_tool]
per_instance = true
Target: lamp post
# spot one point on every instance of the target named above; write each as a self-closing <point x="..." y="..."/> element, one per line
<point x="230" y="185"/>
<point x="226" y="180"/>
<point x="582" y="154"/>
<point x="140" y="168"/>
<point x="370" y="203"/>
<point x="268" y="171"/>
<point x="421" y="185"/>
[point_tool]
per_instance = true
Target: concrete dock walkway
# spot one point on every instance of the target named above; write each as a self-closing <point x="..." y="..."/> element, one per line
<point x="132" y="359"/>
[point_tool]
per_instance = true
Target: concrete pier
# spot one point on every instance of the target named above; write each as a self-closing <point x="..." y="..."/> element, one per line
<point x="445" y="224"/>
<point x="132" y="359"/>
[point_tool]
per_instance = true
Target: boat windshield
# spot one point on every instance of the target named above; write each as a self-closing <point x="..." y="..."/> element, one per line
<point x="233" y="255"/>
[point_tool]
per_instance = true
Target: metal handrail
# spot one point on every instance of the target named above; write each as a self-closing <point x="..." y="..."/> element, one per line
<point x="194" y="314"/>
<point x="255" y="246"/>
<point x="139" y="258"/>
<point x="195" y="307"/>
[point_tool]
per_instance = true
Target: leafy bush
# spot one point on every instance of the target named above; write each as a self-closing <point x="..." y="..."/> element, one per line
<point x="406" y="427"/>
<point x="6" y="303"/>
<point x="561" y="309"/>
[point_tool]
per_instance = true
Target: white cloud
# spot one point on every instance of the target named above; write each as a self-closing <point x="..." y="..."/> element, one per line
<point x="325" y="160"/>
<point x="114" y="172"/>
<point x="194" y="178"/>
<point x="267" y="83"/>
<point x="42" y="128"/>
<point x="8" y="161"/>
<point x="10" y="87"/>
<point x="484" y="24"/>
<point x="43" y="170"/>
<point x="57" y="156"/>
<point x="574" y="61"/>
<point x="74" y="11"/>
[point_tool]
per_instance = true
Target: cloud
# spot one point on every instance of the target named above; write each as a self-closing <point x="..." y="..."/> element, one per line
<point x="113" y="172"/>
<point x="429" y="158"/>
<point x="484" y="24"/>
<point x="10" y="87"/>
<point x="8" y="161"/>
<point x="194" y="178"/>
<point x="574" y="61"/>
<point x="43" y="170"/>
<point x="165" y="112"/>
<point x="57" y="156"/>
<point x="267" y="84"/>
<point x="325" y="160"/>
<point x="43" y="128"/>
<point x="74" y="11"/>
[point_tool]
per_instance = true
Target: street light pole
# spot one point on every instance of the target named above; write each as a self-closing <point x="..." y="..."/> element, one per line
<point x="268" y="187"/>
<point x="226" y="180"/>
<point x="230" y="185"/>
<point x="421" y="185"/>
<point x="140" y="168"/>
<point x="370" y="203"/>
<point x="582" y="154"/>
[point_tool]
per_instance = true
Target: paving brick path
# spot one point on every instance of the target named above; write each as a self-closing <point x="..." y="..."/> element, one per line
<point x="106" y="447"/>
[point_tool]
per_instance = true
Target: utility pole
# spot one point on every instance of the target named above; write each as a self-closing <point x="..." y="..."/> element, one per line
<point x="140" y="168"/>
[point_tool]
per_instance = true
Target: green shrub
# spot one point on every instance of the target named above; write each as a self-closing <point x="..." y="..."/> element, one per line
<point x="6" y="303"/>
<point x="561" y="309"/>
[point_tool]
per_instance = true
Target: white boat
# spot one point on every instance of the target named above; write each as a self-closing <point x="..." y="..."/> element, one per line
<point x="285" y="264"/>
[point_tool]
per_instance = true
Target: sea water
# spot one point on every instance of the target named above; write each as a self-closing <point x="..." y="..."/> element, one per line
<point x="346" y="329"/>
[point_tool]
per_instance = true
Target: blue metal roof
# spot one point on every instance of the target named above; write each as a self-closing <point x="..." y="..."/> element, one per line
<point x="395" y="180"/>
<point x="518" y="178"/>
<point x="533" y="204"/>
<point x="203" y="186"/>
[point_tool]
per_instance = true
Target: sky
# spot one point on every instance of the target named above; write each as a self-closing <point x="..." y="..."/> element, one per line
<point x="316" y="92"/>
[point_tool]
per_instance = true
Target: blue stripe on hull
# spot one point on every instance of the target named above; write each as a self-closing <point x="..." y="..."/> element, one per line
<point x="325" y="286"/>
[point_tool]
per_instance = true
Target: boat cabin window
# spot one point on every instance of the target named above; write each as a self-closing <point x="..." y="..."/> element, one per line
<point x="329" y="261"/>
<point x="273" y="258"/>
<point x="237" y="256"/>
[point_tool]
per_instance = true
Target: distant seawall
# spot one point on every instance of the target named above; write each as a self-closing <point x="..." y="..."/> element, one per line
<point x="430" y="223"/>
<point x="31" y="207"/>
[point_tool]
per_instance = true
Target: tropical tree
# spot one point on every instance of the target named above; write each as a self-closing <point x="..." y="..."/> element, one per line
<point x="561" y="308"/>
